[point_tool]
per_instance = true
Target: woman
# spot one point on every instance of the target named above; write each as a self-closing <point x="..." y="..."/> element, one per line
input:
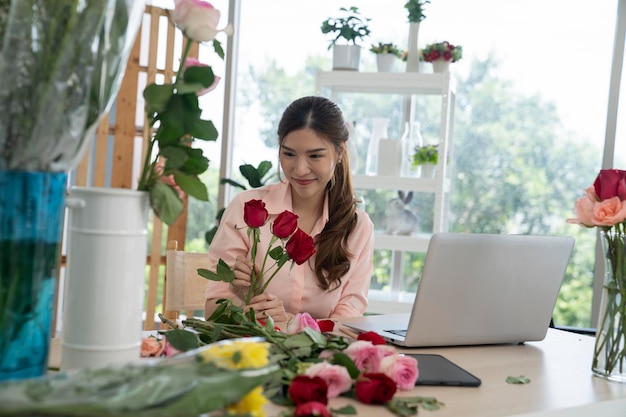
<point x="317" y="188"/>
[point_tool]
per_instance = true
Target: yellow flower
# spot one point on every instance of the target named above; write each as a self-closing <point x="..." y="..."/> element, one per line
<point x="238" y="354"/>
<point x="252" y="404"/>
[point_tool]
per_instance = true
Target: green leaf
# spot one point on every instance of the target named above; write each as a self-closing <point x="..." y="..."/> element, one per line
<point x="344" y="360"/>
<point x="165" y="202"/>
<point x="196" y="163"/>
<point x="233" y="183"/>
<point x="182" y="340"/>
<point x="252" y="174"/>
<point x="517" y="380"/>
<point x="276" y="252"/>
<point x="192" y="186"/>
<point x="176" y="156"/>
<point x="346" y="409"/>
<point x="217" y="45"/>
<point x="200" y="75"/>
<point x="157" y="97"/>
<point x="317" y="337"/>
<point x="203" y="129"/>
<point x="222" y="273"/>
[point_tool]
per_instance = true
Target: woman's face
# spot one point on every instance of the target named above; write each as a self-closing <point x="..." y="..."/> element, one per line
<point x="308" y="161"/>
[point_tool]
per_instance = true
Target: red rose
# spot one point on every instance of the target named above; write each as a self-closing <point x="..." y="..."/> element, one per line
<point x="374" y="388"/>
<point x="373" y="337"/>
<point x="610" y="183"/>
<point x="300" y="246"/>
<point x="254" y="213"/>
<point x="326" y="325"/>
<point x="311" y="409"/>
<point x="285" y="224"/>
<point x="304" y="389"/>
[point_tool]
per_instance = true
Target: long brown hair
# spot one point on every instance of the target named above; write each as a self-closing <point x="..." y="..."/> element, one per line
<point x="332" y="259"/>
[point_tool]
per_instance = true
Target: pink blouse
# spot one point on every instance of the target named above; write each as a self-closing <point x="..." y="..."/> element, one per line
<point x="296" y="286"/>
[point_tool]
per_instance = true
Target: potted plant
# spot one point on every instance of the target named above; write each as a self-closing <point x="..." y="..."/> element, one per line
<point x="352" y="28"/>
<point x="415" y="10"/>
<point x="386" y="55"/>
<point x="426" y="157"/>
<point x="441" y="54"/>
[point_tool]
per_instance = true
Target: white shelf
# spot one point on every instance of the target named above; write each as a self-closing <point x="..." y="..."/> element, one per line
<point x="386" y="82"/>
<point x="412" y="243"/>
<point x="382" y="182"/>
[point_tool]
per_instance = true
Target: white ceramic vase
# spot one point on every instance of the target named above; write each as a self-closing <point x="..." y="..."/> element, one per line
<point x="441" y="66"/>
<point x="105" y="277"/>
<point x="385" y="62"/>
<point x="346" y="57"/>
<point x="389" y="157"/>
<point x="413" y="57"/>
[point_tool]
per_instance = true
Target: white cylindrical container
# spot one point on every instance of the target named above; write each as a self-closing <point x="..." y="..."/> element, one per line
<point x="379" y="130"/>
<point x="389" y="157"/>
<point x="105" y="277"/>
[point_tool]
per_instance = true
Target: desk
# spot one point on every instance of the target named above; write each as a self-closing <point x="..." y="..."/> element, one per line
<point x="561" y="384"/>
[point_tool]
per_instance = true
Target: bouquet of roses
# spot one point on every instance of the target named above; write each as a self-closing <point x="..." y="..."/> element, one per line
<point x="288" y="242"/>
<point x="604" y="206"/>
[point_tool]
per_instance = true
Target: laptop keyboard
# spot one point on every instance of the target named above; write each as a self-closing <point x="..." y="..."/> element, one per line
<point x="397" y="332"/>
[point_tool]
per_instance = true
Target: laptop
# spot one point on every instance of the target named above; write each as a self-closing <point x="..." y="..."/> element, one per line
<point x="479" y="289"/>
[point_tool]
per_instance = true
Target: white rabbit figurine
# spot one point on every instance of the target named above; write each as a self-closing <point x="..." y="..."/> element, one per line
<point x="401" y="220"/>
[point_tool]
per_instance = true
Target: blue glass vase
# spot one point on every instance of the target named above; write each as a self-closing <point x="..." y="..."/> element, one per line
<point x="31" y="217"/>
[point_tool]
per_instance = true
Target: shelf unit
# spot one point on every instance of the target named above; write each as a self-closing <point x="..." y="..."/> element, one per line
<point x="408" y="85"/>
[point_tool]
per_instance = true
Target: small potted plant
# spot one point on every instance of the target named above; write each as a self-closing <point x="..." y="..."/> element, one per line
<point x="441" y="54"/>
<point x="426" y="157"/>
<point x="386" y="55"/>
<point x="352" y="27"/>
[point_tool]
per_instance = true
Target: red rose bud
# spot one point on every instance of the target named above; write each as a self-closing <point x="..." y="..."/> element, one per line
<point x="373" y="337"/>
<point x="304" y="389"/>
<point x="300" y="246"/>
<point x="285" y="224"/>
<point x="311" y="409"/>
<point x="254" y="213"/>
<point x="610" y="183"/>
<point x="326" y="325"/>
<point x="375" y="388"/>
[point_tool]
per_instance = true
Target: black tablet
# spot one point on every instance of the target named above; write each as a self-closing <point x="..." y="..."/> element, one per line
<point x="438" y="370"/>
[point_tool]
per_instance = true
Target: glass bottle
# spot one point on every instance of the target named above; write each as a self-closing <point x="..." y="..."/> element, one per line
<point x="379" y="130"/>
<point x="411" y="139"/>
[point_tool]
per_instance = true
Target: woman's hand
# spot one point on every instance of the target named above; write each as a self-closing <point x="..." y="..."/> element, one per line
<point x="268" y="305"/>
<point x="243" y="275"/>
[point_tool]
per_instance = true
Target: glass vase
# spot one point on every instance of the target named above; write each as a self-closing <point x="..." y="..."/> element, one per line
<point x="31" y="215"/>
<point x="609" y="356"/>
<point x="379" y="131"/>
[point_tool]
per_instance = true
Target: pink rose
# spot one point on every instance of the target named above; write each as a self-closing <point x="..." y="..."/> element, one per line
<point x="151" y="346"/>
<point x="336" y="376"/>
<point x="365" y="355"/>
<point x="609" y="212"/>
<point x="168" y="349"/>
<point x="198" y="19"/>
<point x="192" y="62"/>
<point x="300" y="321"/>
<point x="584" y="208"/>
<point x="402" y="369"/>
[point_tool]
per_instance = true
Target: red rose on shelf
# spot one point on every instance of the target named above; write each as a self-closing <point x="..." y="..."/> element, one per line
<point x="375" y="388"/>
<point x="285" y="224"/>
<point x="300" y="246"/>
<point x="254" y="213"/>
<point x="311" y="409"/>
<point x="304" y="389"/>
<point x="373" y="337"/>
<point x="610" y="183"/>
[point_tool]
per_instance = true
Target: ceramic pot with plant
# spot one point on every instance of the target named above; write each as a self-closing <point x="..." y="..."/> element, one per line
<point x="426" y="158"/>
<point x="415" y="10"/>
<point x="350" y="28"/>
<point x="441" y="54"/>
<point x="386" y="55"/>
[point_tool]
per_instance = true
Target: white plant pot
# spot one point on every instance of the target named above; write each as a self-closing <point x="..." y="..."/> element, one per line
<point x="346" y="57"/>
<point x="413" y="58"/>
<point x="441" y="66"/>
<point x="428" y="170"/>
<point x="385" y="62"/>
<point x="105" y="277"/>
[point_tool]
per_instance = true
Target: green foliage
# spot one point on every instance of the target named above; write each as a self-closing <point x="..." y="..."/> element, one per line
<point x="415" y="8"/>
<point x="427" y="154"/>
<point x="386" y="48"/>
<point x="350" y="26"/>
